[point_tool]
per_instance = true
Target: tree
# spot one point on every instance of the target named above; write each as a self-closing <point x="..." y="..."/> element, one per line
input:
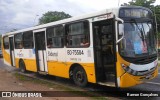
<point x="144" y="3"/>
<point x="157" y="13"/>
<point x="52" y="16"/>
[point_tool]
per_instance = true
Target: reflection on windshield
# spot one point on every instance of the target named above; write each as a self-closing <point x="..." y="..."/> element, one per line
<point x="139" y="40"/>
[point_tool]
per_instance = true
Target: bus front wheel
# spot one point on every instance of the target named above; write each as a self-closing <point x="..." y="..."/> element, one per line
<point x="22" y="67"/>
<point x="79" y="76"/>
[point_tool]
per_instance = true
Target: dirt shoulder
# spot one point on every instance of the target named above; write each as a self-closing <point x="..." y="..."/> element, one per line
<point x="14" y="82"/>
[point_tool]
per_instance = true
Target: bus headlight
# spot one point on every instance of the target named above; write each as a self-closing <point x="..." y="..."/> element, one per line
<point x="137" y="73"/>
<point x="129" y="70"/>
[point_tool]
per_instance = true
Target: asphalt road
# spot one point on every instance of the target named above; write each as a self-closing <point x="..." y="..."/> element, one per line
<point x="4" y="66"/>
<point x="153" y="85"/>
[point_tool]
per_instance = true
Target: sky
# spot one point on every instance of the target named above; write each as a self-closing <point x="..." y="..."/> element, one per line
<point x="20" y="14"/>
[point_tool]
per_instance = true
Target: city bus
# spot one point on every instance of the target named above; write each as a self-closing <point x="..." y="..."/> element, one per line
<point x="113" y="47"/>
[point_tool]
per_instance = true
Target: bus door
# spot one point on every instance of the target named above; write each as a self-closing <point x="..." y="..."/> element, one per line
<point x="40" y="51"/>
<point x="11" y="46"/>
<point x="104" y="51"/>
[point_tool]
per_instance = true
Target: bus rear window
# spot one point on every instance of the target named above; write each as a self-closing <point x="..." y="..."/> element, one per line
<point x="6" y="42"/>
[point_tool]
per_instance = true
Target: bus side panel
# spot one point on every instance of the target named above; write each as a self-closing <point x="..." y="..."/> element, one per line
<point x="28" y="56"/>
<point x="84" y="58"/>
<point x="6" y="56"/>
<point x="57" y="62"/>
<point x="17" y="62"/>
<point x="120" y="70"/>
<point x="30" y="65"/>
<point x="58" y="69"/>
<point x="60" y="61"/>
<point x="90" y="71"/>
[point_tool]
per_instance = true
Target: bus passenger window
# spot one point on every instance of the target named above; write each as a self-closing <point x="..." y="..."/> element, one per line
<point x="6" y="42"/>
<point x="78" y="34"/>
<point x="28" y="40"/>
<point x="85" y="43"/>
<point x="55" y="36"/>
<point x="18" y="38"/>
<point x="49" y="43"/>
<point x="21" y="45"/>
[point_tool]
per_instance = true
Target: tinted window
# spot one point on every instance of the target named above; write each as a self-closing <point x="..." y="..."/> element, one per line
<point x="78" y="34"/>
<point x="28" y="40"/>
<point x="18" y="39"/>
<point x="6" y="42"/>
<point x="55" y="37"/>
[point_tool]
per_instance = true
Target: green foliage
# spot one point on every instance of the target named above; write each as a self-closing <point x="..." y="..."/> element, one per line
<point x="144" y="3"/>
<point x="52" y="16"/>
<point x="157" y="13"/>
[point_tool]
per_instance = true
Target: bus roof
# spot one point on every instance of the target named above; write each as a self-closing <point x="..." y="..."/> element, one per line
<point x="115" y="11"/>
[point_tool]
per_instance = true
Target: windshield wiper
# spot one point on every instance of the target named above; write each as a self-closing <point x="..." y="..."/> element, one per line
<point x="141" y="31"/>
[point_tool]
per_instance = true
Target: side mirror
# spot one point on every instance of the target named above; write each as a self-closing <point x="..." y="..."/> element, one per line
<point x="120" y="29"/>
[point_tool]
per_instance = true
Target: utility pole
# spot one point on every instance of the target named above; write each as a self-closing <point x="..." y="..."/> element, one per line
<point x="35" y="20"/>
<point x="118" y="2"/>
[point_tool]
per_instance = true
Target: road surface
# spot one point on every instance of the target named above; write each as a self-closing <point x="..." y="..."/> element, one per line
<point x="153" y="85"/>
<point x="10" y="82"/>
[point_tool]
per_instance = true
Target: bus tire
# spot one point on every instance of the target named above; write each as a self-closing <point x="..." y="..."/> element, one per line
<point x="79" y="76"/>
<point x="22" y="66"/>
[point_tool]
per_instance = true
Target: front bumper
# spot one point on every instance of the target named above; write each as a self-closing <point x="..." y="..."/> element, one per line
<point x="128" y="80"/>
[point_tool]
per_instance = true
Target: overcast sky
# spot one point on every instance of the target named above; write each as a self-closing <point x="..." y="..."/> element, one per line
<point x="19" y="14"/>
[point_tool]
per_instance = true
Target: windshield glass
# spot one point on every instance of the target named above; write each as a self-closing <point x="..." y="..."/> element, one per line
<point x="139" y="40"/>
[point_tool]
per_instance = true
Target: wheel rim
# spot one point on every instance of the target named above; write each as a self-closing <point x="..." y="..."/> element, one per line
<point x="80" y="76"/>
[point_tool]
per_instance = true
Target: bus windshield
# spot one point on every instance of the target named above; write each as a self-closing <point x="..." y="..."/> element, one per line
<point x="139" y="39"/>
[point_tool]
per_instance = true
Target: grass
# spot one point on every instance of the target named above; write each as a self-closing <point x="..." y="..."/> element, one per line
<point x="76" y="91"/>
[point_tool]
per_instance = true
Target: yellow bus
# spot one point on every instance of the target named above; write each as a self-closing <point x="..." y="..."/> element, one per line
<point x="114" y="47"/>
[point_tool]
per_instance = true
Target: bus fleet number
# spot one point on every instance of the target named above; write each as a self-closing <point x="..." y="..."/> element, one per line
<point x="75" y="52"/>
